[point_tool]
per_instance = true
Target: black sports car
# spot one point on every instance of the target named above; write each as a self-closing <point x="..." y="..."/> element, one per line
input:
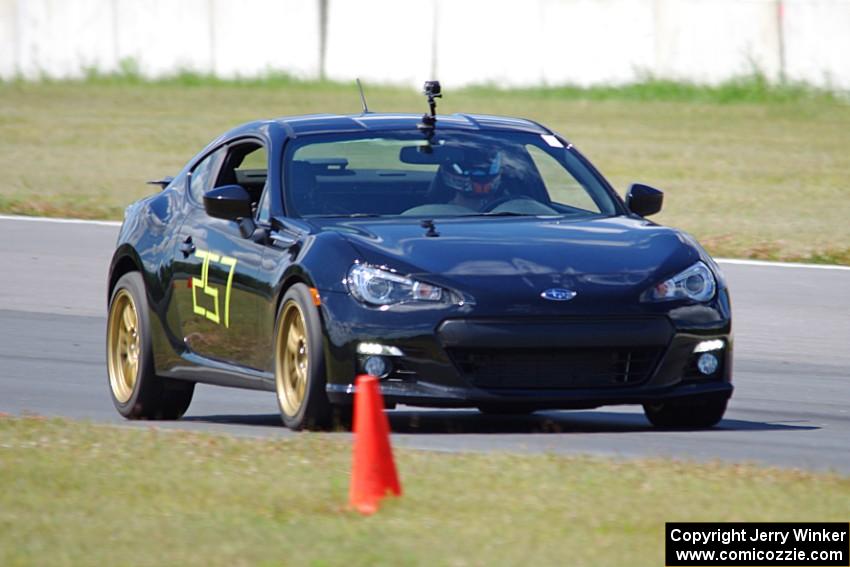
<point x="466" y="261"/>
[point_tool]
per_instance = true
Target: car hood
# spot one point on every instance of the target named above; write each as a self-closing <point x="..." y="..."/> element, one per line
<point x="511" y="261"/>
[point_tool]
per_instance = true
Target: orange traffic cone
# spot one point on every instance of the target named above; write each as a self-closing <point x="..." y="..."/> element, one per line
<point x="373" y="472"/>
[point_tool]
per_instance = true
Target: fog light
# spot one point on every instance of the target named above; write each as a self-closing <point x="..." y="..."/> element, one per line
<point x="708" y="363"/>
<point x="376" y="366"/>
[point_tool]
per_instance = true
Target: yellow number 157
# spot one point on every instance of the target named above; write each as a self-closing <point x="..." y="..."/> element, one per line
<point x="212" y="291"/>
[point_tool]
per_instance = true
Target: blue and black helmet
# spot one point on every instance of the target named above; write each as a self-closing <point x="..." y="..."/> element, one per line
<point x="477" y="173"/>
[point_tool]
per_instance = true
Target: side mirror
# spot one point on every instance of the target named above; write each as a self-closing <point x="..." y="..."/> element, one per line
<point x="229" y="202"/>
<point x="644" y="200"/>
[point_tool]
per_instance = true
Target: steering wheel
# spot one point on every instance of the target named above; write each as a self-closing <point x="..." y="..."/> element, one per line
<point x="500" y="201"/>
<point x="521" y="205"/>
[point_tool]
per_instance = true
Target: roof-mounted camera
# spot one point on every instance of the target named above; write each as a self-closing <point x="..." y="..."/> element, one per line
<point x="432" y="91"/>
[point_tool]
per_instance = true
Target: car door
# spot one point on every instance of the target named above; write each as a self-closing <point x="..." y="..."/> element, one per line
<point x="280" y="251"/>
<point x="216" y="265"/>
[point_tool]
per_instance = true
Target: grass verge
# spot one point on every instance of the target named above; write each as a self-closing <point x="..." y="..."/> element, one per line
<point x="752" y="170"/>
<point x="80" y="494"/>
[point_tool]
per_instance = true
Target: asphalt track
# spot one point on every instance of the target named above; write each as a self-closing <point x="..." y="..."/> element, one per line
<point x="792" y="367"/>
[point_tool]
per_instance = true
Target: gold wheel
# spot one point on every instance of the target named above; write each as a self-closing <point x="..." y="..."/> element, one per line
<point x="292" y="362"/>
<point x="124" y="346"/>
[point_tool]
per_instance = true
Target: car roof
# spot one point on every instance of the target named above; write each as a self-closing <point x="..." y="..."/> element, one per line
<point x="375" y="121"/>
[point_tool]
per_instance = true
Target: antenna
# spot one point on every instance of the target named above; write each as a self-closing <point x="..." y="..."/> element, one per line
<point x="362" y="97"/>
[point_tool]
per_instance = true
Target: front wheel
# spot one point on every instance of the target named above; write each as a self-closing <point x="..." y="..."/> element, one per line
<point x="137" y="392"/>
<point x="300" y="362"/>
<point x="698" y="413"/>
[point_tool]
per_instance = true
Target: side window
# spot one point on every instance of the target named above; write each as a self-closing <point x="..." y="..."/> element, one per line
<point x="247" y="165"/>
<point x="251" y="173"/>
<point x="563" y="188"/>
<point x="256" y="159"/>
<point x="264" y="213"/>
<point x="203" y="176"/>
<point x="254" y="172"/>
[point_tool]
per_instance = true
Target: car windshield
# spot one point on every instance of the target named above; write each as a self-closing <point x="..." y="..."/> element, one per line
<point x="452" y="173"/>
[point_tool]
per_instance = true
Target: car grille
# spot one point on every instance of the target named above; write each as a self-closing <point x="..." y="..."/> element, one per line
<point x="555" y="368"/>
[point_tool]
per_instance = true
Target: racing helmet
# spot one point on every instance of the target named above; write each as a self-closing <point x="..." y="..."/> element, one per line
<point x="478" y="174"/>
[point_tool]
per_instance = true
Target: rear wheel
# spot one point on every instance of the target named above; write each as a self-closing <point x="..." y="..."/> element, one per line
<point x="700" y="412"/>
<point x="137" y="392"/>
<point x="300" y="363"/>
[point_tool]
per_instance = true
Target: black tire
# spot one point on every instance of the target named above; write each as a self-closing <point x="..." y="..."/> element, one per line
<point x="697" y="413"/>
<point x="144" y="395"/>
<point x="302" y="399"/>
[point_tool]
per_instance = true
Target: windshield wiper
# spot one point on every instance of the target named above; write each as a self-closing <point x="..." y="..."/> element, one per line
<point x="498" y="214"/>
<point x="351" y="216"/>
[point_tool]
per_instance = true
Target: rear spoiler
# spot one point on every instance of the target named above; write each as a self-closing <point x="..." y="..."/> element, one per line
<point x="163" y="183"/>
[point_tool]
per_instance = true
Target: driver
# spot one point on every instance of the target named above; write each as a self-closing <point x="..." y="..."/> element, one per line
<point x="476" y="182"/>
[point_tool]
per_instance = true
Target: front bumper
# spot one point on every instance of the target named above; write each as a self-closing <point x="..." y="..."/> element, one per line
<point x="433" y="395"/>
<point x="580" y="361"/>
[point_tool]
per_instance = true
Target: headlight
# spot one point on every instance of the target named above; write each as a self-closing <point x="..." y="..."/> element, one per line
<point x="380" y="287"/>
<point x="697" y="283"/>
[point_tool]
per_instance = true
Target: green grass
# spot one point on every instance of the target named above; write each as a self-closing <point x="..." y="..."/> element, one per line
<point x="746" y="89"/>
<point x="752" y="170"/>
<point x="753" y="88"/>
<point x="80" y="494"/>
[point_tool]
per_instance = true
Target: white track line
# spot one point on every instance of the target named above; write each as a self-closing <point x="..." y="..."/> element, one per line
<point x="60" y="220"/>
<point x="765" y="264"/>
<point x="760" y="263"/>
